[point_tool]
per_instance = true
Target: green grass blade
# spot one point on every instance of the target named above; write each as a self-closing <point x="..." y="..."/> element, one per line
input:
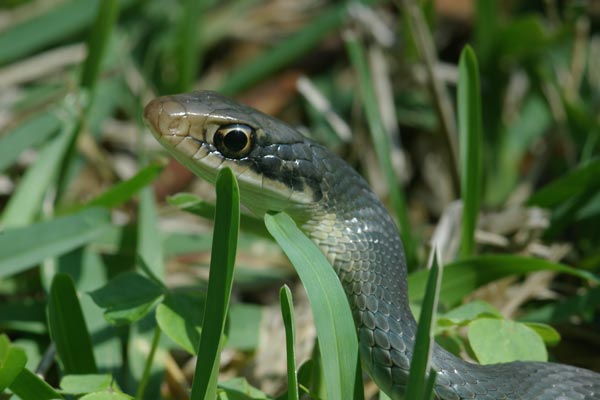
<point x="469" y="130"/>
<point x="23" y="248"/>
<point x="188" y="49"/>
<point x="68" y="329"/>
<point x="382" y="145"/>
<point x="429" y="391"/>
<point x="149" y="364"/>
<point x="578" y="180"/>
<point x="227" y="222"/>
<point x="286" y="51"/>
<point x="486" y="28"/>
<point x="33" y="131"/>
<point x="287" y="312"/>
<point x="26" y="201"/>
<point x="335" y="328"/>
<point x="100" y="31"/>
<point x="149" y="247"/>
<point x="463" y="276"/>
<point x="58" y="23"/>
<point x="28" y="386"/>
<point x="123" y="191"/>
<point x="195" y="205"/>
<point x="418" y="382"/>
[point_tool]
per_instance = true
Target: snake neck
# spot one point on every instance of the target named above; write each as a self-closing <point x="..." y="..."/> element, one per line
<point x="357" y="235"/>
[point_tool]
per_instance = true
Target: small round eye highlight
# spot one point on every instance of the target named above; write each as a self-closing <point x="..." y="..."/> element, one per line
<point x="235" y="140"/>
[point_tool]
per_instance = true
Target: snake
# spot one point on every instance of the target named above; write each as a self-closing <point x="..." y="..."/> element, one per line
<point x="280" y="170"/>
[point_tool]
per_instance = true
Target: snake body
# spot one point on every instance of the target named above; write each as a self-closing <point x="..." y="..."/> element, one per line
<point x="279" y="169"/>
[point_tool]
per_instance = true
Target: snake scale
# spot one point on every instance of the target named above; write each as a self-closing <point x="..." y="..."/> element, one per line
<point x="279" y="169"/>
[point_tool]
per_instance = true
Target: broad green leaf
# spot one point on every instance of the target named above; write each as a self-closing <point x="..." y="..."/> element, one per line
<point x="464" y="314"/>
<point x="499" y="340"/>
<point x="22" y="248"/>
<point x="549" y="335"/>
<point x="239" y="389"/>
<point x="180" y="318"/>
<point x="287" y="313"/>
<point x="108" y="395"/>
<point x="68" y="329"/>
<point x="80" y="384"/>
<point x="335" y="328"/>
<point x="227" y="223"/>
<point x="12" y="362"/>
<point x="28" y="386"/>
<point x="469" y="129"/>
<point x="128" y="297"/>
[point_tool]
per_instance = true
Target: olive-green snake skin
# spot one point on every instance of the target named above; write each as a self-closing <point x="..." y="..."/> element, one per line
<point x="279" y="169"/>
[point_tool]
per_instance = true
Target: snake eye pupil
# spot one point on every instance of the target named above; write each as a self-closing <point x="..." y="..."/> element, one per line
<point x="234" y="141"/>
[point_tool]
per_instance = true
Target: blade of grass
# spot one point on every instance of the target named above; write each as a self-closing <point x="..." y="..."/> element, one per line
<point x="68" y="329"/>
<point x="579" y="179"/>
<point x="227" y="222"/>
<point x="335" y="328"/>
<point x="195" y="205"/>
<point x="149" y="247"/>
<point x="123" y="191"/>
<point x="287" y="50"/>
<point x="419" y="385"/>
<point x="469" y="129"/>
<point x="108" y="11"/>
<point x="150" y="254"/>
<point x="139" y="395"/>
<point x="22" y="248"/>
<point x="382" y="145"/>
<point x="99" y="36"/>
<point x="26" y="201"/>
<point x="287" y="312"/>
<point x="33" y="131"/>
<point x="188" y="48"/>
<point x="50" y="27"/>
<point x="463" y="276"/>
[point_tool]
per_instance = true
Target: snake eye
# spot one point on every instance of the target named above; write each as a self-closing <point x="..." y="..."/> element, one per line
<point x="235" y="140"/>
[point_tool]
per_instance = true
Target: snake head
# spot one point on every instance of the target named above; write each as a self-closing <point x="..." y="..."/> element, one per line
<point x="277" y="168"/>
